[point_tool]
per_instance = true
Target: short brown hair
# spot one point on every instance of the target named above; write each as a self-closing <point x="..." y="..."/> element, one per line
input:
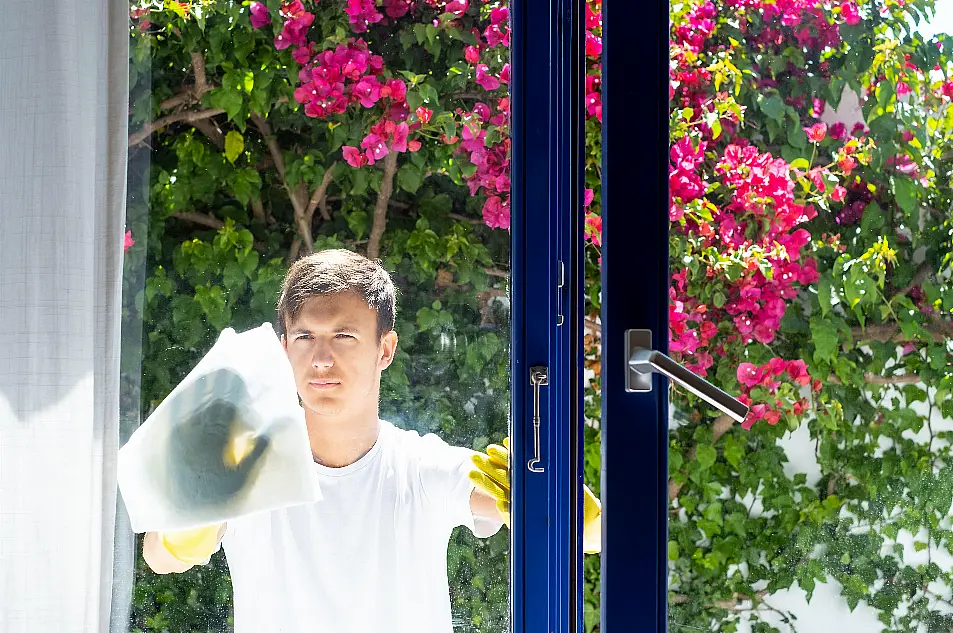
<point x="333" y="271"/>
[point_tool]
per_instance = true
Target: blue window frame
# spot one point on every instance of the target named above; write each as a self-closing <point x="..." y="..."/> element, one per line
<point x="634" y="295"/>
<point x="546" y="273"/>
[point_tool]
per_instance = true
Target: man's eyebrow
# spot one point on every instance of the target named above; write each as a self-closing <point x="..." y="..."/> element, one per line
<point x="344" y="327"/>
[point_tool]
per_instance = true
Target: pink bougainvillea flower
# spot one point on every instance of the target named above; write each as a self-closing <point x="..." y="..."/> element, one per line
<point x="260" y="17"/>
<point x="367" y="91"/>
<point x="423" y="114"/>
<point x="486" y="80"/>
<point x="302" y="54"/>
<point x="817" y="132"/>
<point x="838" y="194"/>
<point x="413" y="146"/>
<point x="748" y="374"/>
<point x="838" y="131"/>
<point x="361" y="14"/>
<point x="849" y="12"/>
<point x="594" y="228"/>
<point x="375" y="146"/>
<point x="398" y="141"/>
<point x="593" y="19"/>
<point x="499" y="15"/>
<point x="472" y="54"/>
<point x="594" y="105"/>
<point x="593" y="45"/>
<point x="127" y="241"/>
<point x="397" y="8"/>
<point x="496" y="213"/>
<point x="353" y="156"/>
<point x="505" y="74"/>
<point x="903" y="89"/>
<point x="587" y="197"/>
<point x="457" y="7"/>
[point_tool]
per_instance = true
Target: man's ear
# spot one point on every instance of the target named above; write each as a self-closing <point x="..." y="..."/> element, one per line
<point x="284" y="343"/>
<point x="388" y="349"/>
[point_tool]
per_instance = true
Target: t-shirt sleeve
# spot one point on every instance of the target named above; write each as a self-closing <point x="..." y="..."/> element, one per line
<point x="444" y="478"/>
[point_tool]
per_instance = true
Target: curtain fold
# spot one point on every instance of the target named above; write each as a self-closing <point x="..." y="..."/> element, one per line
<point x="63" y="131"/>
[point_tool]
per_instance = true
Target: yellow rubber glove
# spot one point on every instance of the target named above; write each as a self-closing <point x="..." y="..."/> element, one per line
<point x="492" y="476"/>
<point x="192" y="547"/>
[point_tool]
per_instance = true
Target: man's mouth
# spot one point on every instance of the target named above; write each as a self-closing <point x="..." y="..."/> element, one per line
<point x="324" y="383"/>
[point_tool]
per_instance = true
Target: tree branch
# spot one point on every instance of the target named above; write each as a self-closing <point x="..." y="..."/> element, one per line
<point x="380" y="207"/>
<point x="272" y="145"/>
<point x="877" y="379"/>
<point x="199" y="218"/>
<point x="185" y="116"/>
<point x="296" y="195"/>
<point x="201" y="80"/>
<point x="318" y="196"/>
<point x="883" y="332"/>
<point x="211" y="131"/>
<point x="719" y="427"/>
<point x="731" y="605"/>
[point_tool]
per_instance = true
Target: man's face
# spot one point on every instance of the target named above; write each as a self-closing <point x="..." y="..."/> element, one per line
<point x="336" y="355"/>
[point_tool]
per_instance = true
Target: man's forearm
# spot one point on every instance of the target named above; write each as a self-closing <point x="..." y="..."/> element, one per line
<point x="158" y="557"/>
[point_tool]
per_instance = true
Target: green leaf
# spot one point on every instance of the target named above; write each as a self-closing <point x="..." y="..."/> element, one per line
<point x="229" y="99"/>
<point x="706" y="456"/>
<point x="672" y="550"/>
<point x="885" y="92"/>
<point x="873" y="218"/>
<point x="800" y="163"/>
<point x="234" y="146"/>
<point x="824" y="293"/>
<point x="357" y="222"/>
<point x="773" y="107"/>
<point x="796" y="136"/>
<point x="409" y="178"/>
<point x="734" y="453"/>
<point x="905" y="192"/>
<point x="825" y="338"/>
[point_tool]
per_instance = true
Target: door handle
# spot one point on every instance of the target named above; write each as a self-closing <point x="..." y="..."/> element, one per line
<point x="642" y="361"/>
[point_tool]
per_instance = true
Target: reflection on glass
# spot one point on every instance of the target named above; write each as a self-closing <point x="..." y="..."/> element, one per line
<point x="271" y="131"/>
<point x="810" y="258"/>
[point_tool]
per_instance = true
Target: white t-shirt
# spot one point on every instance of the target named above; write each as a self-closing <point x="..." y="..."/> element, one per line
<point x="370" y="557"/>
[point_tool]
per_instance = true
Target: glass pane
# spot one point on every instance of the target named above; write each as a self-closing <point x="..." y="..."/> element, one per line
<point x="810" y="258"/>
<point x="261" y="133"/>
<point x="592" y="529"/>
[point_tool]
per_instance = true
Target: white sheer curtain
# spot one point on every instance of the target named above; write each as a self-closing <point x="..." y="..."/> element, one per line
<point x="63" y="112"/>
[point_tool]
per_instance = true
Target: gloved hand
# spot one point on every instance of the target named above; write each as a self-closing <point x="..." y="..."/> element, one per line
<point x="192" y="547"/>
<point x="493" y="477"/>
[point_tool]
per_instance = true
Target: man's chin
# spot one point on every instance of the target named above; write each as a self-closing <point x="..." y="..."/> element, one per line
<point x="324" y="408"/>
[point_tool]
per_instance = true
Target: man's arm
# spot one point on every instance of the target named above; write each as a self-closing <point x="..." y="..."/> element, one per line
<point x="483" y="506"/>
<point x="195" y="546"/>
<point x="158" y="557"/>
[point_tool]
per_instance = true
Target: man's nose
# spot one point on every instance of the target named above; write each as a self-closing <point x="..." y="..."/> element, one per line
<point x="322" y="356"/>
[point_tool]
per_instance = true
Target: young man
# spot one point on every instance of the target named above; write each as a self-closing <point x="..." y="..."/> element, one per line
<point x="371" y="555"/>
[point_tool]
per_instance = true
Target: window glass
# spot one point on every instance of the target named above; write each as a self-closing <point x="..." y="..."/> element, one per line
<point x="261" y="133"/>
<point x="592" y="200"/>
<point x="810" y="275"/>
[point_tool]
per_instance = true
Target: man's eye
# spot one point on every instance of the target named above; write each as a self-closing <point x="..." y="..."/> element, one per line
<point x="344" y="336"/>
<point x="301" y="336"/>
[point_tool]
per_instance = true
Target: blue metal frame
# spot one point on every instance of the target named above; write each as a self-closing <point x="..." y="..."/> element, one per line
<point x="634" y="295"/>
<point x="546" y="225"/>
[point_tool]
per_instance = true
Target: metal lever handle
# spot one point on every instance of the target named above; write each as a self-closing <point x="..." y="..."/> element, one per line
<point x="538" y="378"/>
<point x="642" y="361"/>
